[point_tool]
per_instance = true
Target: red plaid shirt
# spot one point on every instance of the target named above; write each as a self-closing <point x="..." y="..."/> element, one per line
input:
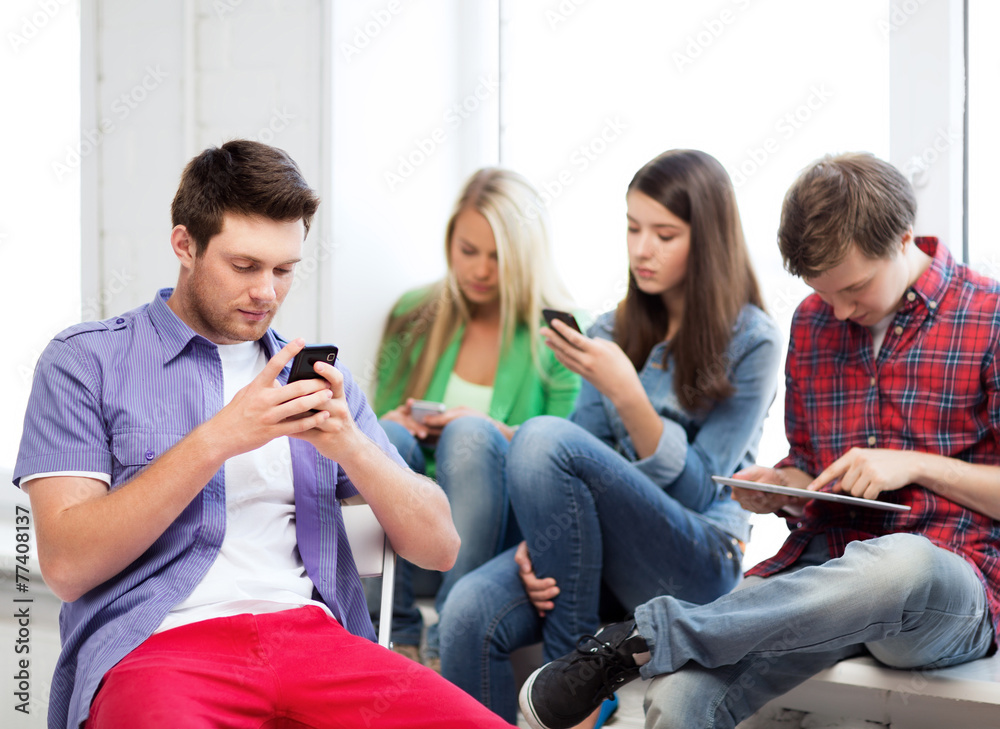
<point x="935" y="388"/>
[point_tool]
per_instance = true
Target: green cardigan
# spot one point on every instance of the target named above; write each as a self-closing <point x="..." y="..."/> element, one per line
<point x="519" y="390"/>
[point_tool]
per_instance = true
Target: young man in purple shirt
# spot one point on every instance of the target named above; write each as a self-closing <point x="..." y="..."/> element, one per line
<point x="186" y="500"/>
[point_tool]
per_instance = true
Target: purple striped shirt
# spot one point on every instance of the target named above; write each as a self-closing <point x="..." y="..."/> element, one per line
<point x="110" y="397"/>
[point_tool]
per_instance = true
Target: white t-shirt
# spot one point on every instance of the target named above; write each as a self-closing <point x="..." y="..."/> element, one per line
<point x="258" y="568"/>
<point x="878" y="331"/>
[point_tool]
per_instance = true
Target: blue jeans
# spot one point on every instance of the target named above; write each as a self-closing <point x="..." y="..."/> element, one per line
<point x="909" y="603"/>
<point x="589" y="517"/>
<point x="470" y="457"/>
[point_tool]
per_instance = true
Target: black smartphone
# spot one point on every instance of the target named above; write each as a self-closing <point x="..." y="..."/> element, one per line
<point x="564" y="316"/>
<point x="302" y="365"/>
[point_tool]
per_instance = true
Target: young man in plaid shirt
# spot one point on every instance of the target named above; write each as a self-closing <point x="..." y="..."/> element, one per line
<point x="893" y="392"/>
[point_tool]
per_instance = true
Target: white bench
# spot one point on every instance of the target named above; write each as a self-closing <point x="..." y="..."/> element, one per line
<point x="861" y="690"/>
<point x="960" y="697"/>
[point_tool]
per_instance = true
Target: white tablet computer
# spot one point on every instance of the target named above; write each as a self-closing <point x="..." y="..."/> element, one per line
<point x="804" y="494"/>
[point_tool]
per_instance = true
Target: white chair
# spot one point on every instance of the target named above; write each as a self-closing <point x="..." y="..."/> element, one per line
<point x="374" y="557"/>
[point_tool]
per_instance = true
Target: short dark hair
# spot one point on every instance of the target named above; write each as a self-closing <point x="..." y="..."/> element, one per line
<point x="242" y="177"/>
<point x="839" y="201"/>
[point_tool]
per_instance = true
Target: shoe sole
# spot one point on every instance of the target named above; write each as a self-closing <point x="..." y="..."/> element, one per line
<point x="524" y="700"/>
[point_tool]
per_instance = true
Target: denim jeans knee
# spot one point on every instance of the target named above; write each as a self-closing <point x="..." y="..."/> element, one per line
<point x="948" y="622"/>
<point x="466" y="442"/>
<point x="540" y="443"/>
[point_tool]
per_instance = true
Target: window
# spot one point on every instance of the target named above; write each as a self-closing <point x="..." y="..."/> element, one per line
<point x="592" y="91"/>
<point x="983" y="144"/>
<point x="40" y="227"/>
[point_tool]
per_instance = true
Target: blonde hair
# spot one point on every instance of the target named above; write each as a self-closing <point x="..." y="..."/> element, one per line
<point x="527" y="277"/>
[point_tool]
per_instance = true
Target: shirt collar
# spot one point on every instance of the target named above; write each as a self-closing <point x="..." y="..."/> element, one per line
<point x="933" y="283"/>
<point x="175" y="334"/>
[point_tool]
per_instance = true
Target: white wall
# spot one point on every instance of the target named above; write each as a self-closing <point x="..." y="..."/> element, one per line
<point x="984" y="143"/>
<point x="927" y="76"/>
<point x="413" y="86"/>
<point x="415" y="113"/>
<point x="389" y="118"/>
<point x="161" y="82"/>
<point x="39" y="195"/>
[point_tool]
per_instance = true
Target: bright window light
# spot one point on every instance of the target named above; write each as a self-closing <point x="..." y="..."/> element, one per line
<point x="40" y="220"/>
<point x="590" y="92"/>
<point x="983" y="143"/>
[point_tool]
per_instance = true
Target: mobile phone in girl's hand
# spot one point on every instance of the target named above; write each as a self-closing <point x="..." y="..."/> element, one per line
<point x="420" y="409"/>
<point x="564" y="316"/>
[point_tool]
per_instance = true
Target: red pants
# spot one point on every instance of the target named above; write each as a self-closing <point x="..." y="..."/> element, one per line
<point x="296" y="668"/>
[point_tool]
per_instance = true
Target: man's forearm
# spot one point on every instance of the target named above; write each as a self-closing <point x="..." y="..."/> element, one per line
<point x="973" y="485"/>
<point x="412" y="509"/>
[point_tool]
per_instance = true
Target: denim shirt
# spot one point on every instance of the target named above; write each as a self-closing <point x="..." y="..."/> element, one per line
<point x="695" y="446"/>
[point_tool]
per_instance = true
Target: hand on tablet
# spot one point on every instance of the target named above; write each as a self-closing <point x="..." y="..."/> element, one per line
<point x="867" y="472"/>
<point x="793" y="483"/>
<point x="761" y="502"/>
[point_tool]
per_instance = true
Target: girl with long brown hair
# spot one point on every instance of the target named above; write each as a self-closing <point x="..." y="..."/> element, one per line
<point x="618" y="501"/>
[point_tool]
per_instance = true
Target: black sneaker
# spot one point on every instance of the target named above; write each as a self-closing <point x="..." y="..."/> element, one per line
<point x="563" y="693"/>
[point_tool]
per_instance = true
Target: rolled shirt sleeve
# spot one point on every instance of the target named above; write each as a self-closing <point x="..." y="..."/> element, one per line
<point x="727" y="439"/>
<point x="665" y="464"/>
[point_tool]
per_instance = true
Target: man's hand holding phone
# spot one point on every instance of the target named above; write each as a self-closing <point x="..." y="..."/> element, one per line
<point x="304" y="364"/>
<point x="265" y="409"/>
<point x="333" y="435"/>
